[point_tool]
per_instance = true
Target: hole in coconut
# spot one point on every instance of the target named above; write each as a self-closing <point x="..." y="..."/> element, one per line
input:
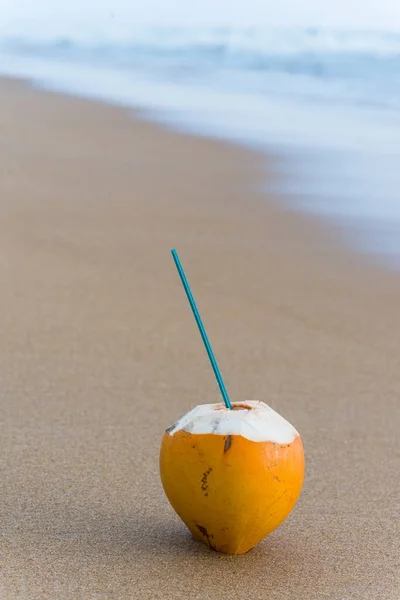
<point x="234" y="407"/>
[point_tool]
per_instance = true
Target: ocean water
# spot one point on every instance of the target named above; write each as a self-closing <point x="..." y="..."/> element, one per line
<point x="327" y="100"/>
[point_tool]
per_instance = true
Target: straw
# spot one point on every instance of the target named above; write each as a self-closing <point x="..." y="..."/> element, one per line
<point x="203" y="333"/>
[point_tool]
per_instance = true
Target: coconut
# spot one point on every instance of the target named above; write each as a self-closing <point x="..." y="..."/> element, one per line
<point x="232" y="476"/>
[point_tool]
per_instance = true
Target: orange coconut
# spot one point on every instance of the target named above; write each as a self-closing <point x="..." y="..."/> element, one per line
<point x="232" y="475"/>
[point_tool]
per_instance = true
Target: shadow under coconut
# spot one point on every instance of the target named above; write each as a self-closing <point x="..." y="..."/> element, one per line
<point x="92" y="541"/>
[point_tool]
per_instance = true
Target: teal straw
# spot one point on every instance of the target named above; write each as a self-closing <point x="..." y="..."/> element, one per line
<point x="200" y="325"/>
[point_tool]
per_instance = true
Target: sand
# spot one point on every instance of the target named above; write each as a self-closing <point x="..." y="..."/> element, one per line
<point x="99" y="353"/>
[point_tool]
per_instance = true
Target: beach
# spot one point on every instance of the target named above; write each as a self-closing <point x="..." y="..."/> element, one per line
<point x="99" y="354"/>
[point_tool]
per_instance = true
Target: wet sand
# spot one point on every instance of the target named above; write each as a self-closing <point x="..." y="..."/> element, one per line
<point x="99" y="353"/>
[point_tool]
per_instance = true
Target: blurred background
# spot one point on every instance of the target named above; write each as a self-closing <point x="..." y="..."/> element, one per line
<point x="317" y="83"/>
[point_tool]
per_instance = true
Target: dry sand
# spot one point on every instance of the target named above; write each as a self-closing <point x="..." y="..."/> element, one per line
<point x="99" y="353"/>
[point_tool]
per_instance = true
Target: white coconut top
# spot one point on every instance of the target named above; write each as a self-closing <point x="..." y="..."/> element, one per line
<point x="251" y="419"/>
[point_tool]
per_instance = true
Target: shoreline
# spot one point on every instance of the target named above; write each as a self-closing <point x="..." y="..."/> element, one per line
<point x="100" y="354"/>
<point x="333" y="233"/>
<point x="314" y="192"/>
<point x="310" y="191"/>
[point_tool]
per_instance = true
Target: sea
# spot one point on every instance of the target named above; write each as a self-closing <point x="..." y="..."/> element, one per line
<point x="326" y="101"/>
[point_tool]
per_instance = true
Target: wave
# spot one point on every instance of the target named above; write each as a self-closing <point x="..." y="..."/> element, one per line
<point x="215" y="41"/>
<point x="312" y="52"/>
<point x="338" y="66"/>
